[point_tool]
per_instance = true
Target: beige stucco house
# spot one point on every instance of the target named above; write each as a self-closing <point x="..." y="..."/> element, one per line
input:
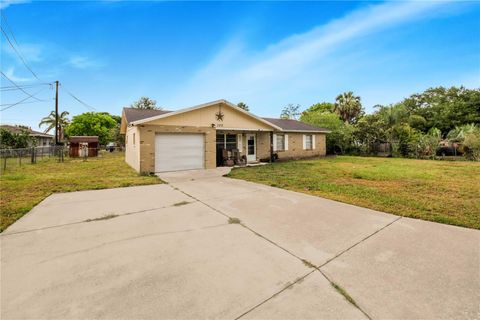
<point x="205" y="136"/>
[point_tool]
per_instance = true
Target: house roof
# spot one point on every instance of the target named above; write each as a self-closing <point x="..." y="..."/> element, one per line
<point x="204" y="105"/>
<point x="294" y="125"/>
<point x="18" y="129"/>
<point x="138" y="116"/>
<point x="133" y="114"/>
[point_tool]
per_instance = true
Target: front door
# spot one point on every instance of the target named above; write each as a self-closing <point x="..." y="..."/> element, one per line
<point x="251" y="147"/>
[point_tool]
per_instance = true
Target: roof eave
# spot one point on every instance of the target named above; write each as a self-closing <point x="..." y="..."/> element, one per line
<point x="204" y="105"/>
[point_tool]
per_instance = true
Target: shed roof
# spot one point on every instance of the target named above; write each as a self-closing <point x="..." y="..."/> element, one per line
<point x="78" y="139"/>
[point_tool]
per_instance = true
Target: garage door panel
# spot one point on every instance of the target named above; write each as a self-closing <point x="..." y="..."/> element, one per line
<point x="179" y="152"/>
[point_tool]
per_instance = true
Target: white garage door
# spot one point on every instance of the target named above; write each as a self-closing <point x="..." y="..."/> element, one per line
<point x="179" y="152"/>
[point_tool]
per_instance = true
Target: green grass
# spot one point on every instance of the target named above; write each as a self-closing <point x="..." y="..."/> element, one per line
<point x="441" y="191"/>
<point x="344" y="293"/>
<point x="233" y="220"/>
<point x="22" y="187"/>
<point x="105" y="217"/>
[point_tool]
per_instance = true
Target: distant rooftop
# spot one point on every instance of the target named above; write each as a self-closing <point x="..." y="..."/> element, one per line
<point x="20" y="128"/>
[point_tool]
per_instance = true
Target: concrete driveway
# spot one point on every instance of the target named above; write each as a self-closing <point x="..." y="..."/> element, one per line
<point x="169" y="251"/>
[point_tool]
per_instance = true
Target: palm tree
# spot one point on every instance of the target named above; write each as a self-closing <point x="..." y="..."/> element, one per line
<point x="457" y="135"/>
<point x="49" y="121"/>
<point x="348" y="106"/>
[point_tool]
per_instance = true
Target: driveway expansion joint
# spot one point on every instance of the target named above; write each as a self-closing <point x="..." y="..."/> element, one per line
<point x="290" y="285"/>
<point x="307" y="263"/>
<point x="359" y="242"/>
<point x="101" y="218"/>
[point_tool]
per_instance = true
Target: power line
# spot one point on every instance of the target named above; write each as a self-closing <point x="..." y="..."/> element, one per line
<point x="19" y="54"/>
<point x="27" y="102"/>
<point x="16" y="85"/>
<point x="24" y="86"/>
<point x="21" y="101"/>
<point x="80" y="101"/>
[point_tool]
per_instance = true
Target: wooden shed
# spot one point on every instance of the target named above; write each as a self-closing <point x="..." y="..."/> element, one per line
<point x="83" y="146"/>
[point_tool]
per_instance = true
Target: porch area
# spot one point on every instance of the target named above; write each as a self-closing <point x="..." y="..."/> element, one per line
<point x="242" y="147"/>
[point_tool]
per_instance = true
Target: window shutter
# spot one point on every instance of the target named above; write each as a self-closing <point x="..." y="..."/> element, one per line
<point x="304" y="142"/>
<point x="286" y="142"/>
<point x="313" y="141"/>
<point x="274" y="142"/>
<point x="239" y="142"/>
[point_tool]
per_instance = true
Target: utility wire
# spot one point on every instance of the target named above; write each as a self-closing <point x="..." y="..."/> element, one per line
<point x="80" y="101"/>
<point x="19" y="55"/>
<point x="23" y="86"/>
<point x="10" y="104"/>
<point x="21" y="101"/>
<point x="16" y="85"/>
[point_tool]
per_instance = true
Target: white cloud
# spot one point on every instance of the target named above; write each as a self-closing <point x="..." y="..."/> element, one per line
<point x="32" y="52"/>
<point x="83" y="62"/>
<point x="237" y="74"/>
<point x="6" y="3"/>
<point x="10" y="73"/>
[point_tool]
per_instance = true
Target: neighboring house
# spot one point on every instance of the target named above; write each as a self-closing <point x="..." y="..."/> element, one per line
<point x="41" y="139"/>
<point x="198" y="137"/>
<point x="83" y="146"/>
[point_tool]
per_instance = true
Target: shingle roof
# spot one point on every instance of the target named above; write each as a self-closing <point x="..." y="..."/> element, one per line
<point x="132" y="114"/>
<point x="18" y="129"/>
<point x="294" y="125"/>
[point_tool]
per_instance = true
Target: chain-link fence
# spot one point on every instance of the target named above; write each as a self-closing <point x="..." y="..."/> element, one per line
<point x="26" y="156"/>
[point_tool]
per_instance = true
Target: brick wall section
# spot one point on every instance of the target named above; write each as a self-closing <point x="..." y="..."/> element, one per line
<point x="147" y="144"/>
<point x="263" y="145"/>
<point x="295" y="147"/>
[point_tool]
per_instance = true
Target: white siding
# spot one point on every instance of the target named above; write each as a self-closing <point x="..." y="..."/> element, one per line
<point x="132" y="150"/>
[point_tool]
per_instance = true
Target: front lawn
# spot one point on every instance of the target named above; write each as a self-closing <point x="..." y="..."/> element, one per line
<point x="22" y="187"/>
<point x="440" y="191"/>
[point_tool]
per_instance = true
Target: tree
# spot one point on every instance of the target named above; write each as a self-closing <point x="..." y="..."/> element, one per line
<point x="320" y="107"/>
<point x="115" y="135"/>
<point x="92" y="124"/>
<point x="445" y="108"/>
<point x="291" y="111"/>
<point x="348" y="107"/>
<point x="428" y="143"/>
<point x="471" y="145"/>
<point x="15" y="140"/>
<point x="49" y="121"/>
<point x="341" y="136"/>
<point x="243" y="106"/>
<point x="145" y="103"/>
<point x="369" y="132"/>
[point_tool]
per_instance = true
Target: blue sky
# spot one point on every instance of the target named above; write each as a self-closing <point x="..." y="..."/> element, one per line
<point x="267" y="54"/>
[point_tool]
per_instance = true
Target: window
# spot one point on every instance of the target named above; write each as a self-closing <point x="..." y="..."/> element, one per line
<point x="308" y="142"/>
<point x="280" y="142"/>
<point x="230" y="141"/>
<point x="226" y="141"/>
<point x="126" y="139"/>
<point x="133" y="139"/>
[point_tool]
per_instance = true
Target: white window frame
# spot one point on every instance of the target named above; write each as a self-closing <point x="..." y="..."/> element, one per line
<point x="305" y="147"/>
<point x="280" y="147"/>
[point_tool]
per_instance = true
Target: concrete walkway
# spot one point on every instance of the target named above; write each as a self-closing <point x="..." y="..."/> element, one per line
<point x="169" y="251"/>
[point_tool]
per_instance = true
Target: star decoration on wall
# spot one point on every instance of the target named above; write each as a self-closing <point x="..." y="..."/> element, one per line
<point x="219" y="115"/>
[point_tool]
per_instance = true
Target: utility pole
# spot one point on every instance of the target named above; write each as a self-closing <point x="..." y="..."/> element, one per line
<point x="56" y="113"/>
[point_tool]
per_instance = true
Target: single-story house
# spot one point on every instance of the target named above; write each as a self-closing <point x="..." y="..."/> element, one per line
<point x="83" y="146"/>
<point x="41" y="138"/>
<point x="210" y="134"/>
